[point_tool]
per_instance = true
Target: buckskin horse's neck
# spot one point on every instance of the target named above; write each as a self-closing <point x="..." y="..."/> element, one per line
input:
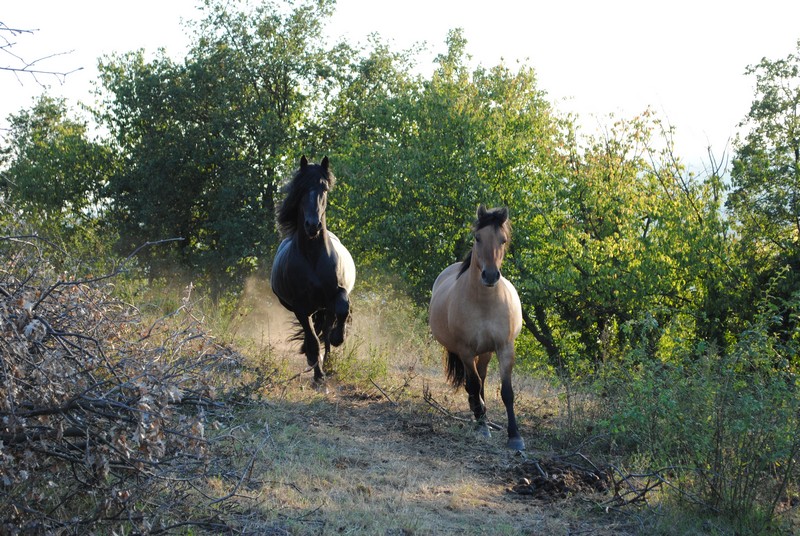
<point x="475" y="287"/>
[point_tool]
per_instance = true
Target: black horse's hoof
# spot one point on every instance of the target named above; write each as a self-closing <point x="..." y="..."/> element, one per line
<point x="515" y="443"/>
<point x="320" y="385"/>
<point x="337" y="335"/>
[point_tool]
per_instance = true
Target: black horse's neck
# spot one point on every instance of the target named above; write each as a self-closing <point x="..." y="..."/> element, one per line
<point x="313" y="247"/>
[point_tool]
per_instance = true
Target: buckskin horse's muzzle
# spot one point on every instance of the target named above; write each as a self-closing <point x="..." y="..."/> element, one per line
<point x="490" y="277"/>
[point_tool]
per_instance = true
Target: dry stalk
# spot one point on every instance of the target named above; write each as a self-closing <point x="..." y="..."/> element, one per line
<point x="101" y="426"/>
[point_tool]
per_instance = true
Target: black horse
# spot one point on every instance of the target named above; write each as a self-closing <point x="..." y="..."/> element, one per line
<point x="313" y="273"/>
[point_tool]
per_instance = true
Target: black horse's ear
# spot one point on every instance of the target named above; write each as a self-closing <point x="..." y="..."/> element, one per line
<point x="324" y="163"/>
<point x="303" y="161"/>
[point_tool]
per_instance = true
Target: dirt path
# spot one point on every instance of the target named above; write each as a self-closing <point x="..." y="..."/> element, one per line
<point x="352" y="461"/>
<point x="381" y="460"/>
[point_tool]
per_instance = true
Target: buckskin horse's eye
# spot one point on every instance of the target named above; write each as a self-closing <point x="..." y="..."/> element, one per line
<point x="477" y="239"/>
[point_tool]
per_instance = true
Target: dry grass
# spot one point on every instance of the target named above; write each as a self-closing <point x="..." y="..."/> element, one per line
<point x="373" y="457"/>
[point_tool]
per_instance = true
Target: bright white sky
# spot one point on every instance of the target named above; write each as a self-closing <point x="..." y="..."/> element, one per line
<point x="684" y="58"/>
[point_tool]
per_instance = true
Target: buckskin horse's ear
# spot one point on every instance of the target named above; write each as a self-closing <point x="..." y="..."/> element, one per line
<point x="303" y="161"/>
<point x="324" y="163"/>
<point x="503" y="213"/>
<point x="481" y="211"/>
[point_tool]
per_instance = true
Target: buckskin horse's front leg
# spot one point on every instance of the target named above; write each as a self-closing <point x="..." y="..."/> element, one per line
<point x="474" y="388"/>
<point x="506" y="358"/>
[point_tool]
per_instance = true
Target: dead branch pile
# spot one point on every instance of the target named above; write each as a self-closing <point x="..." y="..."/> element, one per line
<point x="553" y="479"/>
<point x="574" y="475"/>
<point x="103" y="421"/>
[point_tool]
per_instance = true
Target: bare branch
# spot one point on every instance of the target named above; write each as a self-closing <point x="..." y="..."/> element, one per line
<point x="18" y="65"/>
<point x="89" y="409"/>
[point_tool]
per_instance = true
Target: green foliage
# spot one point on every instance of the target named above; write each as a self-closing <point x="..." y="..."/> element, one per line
<point x="437" y="148"/>
<point x="205" y="142"/>
<point x="613" y="232"/>
<point x="53" y="173"/>
<point x="765" y="177"/>
<point x="727" y="424"/>
<point x="765" y="173"/>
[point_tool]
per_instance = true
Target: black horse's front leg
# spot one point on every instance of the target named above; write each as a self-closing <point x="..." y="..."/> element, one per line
<point x="311" y="346"/>
<point x="341" y="313"/>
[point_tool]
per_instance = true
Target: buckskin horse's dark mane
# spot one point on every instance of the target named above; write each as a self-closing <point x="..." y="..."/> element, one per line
<point x="303" y="179"/>
<point x="497" y="217"/>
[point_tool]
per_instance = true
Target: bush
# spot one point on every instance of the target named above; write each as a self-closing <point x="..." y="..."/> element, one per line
<point x="726" y="425"/>
<point x="106" y="416"/>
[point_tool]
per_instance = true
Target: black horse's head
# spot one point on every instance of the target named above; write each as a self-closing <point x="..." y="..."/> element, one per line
<point x="306" y="197"/>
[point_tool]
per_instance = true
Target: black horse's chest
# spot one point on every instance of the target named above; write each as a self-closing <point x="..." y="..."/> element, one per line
<point x="309" y="274"/>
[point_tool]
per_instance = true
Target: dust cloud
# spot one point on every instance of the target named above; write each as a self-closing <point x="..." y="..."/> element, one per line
<point x="263" y="319"/>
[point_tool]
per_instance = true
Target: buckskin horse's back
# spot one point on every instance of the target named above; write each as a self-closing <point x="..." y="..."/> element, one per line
<point x="440" y="300"/>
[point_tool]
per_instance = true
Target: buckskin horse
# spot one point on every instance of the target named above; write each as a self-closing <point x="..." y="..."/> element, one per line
<point x="313" y="273"/>
<point x="475" y="311"/>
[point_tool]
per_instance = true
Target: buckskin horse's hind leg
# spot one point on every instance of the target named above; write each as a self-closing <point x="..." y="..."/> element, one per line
<point x="474" y="387"/>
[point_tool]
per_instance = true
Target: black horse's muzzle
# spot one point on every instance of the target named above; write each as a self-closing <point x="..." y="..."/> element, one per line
<point x="312" y="228"/>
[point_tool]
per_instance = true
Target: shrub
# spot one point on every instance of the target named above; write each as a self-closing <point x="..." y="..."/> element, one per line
<point x="726" y="425"/>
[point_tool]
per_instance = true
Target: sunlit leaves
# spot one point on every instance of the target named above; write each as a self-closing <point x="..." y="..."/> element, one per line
<point x="208" y="141"/>
<point x="424" y="152"/>
<point x="765" y="177"/>
<point x="55" y="171"/>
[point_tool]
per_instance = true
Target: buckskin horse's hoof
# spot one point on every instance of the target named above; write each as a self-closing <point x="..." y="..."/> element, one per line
<point x="483" y="430"/>
<point x="515" y="443"/>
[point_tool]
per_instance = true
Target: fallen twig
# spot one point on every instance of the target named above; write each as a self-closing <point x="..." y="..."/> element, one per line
<point x="428" y="397"/>
<point x="383" y="393"/>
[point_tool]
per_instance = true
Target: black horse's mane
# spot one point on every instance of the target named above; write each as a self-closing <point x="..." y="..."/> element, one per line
<point x="495" y="216"/>
<point x="305" y="178"/>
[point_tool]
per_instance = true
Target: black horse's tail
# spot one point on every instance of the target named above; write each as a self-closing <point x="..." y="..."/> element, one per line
<point x="299" y="334"/>
<point x="454" y="369"/>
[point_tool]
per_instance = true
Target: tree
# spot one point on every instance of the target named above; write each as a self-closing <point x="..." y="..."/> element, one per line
<point x="54" y="173"/>
<point x="421" y="155"/>
<point x="207" y="142"/>
<point x="765" y="197"/>
<point x="614" y="243"/>
<point x="766" y="168"/>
